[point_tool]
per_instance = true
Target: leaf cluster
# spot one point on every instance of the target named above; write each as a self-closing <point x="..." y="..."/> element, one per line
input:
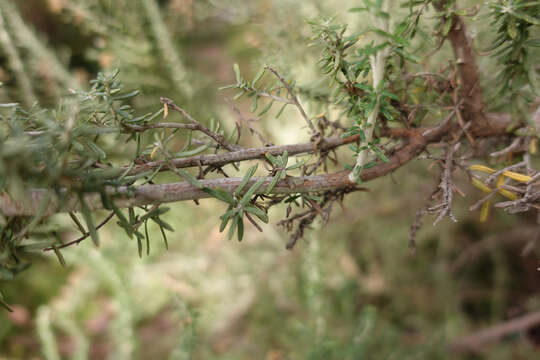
<point x="515" y="22"/>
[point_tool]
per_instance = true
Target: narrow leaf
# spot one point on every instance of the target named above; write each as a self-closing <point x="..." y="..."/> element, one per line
<point x="245" y="180"/>
<point x="232" y="228"/>
<point x="247" y="196"/>
<point x="258" y="77"/>
<point x="220" y="194"/>
<point x="236" y="69"/>
<point x="273" y="183"/>
<point x="125" y="96"/>
<point x="59" y="255"/>
<point x="188" y="177"/>
<point x="89" y="220"/>
<point x="257" y="212"/>
<point x="240" y="228"/>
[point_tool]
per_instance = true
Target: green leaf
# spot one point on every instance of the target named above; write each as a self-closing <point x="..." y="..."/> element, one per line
<point x="258" y="213"/>
<point x="239" y="95"/>
<point x="87" y="215"/>
<point x="512" y="29"/>
<point x="379" y="153"/>
<point x="297" y="165"/>
<point x="192" y="152"/>
<point x="281" y="111"/>
<point x="122" y="221"/>
<point x="247" y="196"/>
<point x="236" y="69"/>
<point x="124" y="114"/>
<point x="97" y="150"/>
<point x="258" y="77"/>
<point x="60" y="257"/>
<point x="164" y="237"/>
<point x="356" y="170"/>
<point x="233" y="227"/>
<point x="266" y="108"/>
<point x="254" y="103"/>
<point x="131" y="214"/>
<point x="533" y="42"/>
<point x="284" y="158"/>
<point x="162" y="223"/>
<point x="139" y="243"/>
<point x="154" y="213"/>
<point x="188" y="177"/>
<point x="240" y="228"/>
<point x="226" y="217"/>
<point x="227" y="87"/>
<point x="447" y="26"/>
<point x="369" y="165"/>
<point x="220" y="194"/>
<point x="498" y="42"/>
<point x="147" y="237"/>
<point x="125" y="96"/>
<point x="77" y="222"/>
<point x="245" y="180"/>
<point x="158" y="113"/>
<point x="274" y="182"/>
<point x="526" y="17"/>
<point x="275" y="161"/>
<point x="4" y="304"/>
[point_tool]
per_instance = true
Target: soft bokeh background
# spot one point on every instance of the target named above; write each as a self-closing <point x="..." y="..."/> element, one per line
<point x="351" y="290"/>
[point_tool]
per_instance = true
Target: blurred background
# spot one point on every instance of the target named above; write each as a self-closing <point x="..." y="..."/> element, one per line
<point x="350" y="290"/>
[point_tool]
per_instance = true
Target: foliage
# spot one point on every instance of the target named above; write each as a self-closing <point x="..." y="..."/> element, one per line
<point x="384" y="93"/>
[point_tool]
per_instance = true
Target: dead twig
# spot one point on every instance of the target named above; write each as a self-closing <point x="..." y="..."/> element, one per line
<point x="480" y="339"/>
<point x="198" y="126"/>
<point x="293" y="98"/>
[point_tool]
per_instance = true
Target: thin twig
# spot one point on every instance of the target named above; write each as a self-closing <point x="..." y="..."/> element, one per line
<point x="268" y="95"/>
<point x="480" y="339"/>
<point x="294" y="99"/>
<point x="446" y="186"/>
<point x="509" y="149"/>
<point x="491" y="178"/>
<point x="85" y="235"/>
<point x="217" y="138"/>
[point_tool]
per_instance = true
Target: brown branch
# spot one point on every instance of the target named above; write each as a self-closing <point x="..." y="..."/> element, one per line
<point x="478" y="340"/>
<point x="469" y="76"/>
<point x="446" y="186"/>
<point x="129" y="196"/>
<point x="498" y="125"/>
<point x="235" y="156"/>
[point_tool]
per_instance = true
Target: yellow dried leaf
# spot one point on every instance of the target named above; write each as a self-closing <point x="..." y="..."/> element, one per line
<point x="481" y="168"/>
<point x="508" y="194"/>
<point x="500" y="181"/>
<point x="480" y="185"/>
<point x="517" y="176"/>
<point x="533" y="146"/>
<point x="484" y="211"/>
<point x="165" y="110"/>
<point x="153" y="153"/>
<point x="504" y="192"/>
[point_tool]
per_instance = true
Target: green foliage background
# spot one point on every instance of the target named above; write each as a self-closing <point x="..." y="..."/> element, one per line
<point x="351" y="290"/>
